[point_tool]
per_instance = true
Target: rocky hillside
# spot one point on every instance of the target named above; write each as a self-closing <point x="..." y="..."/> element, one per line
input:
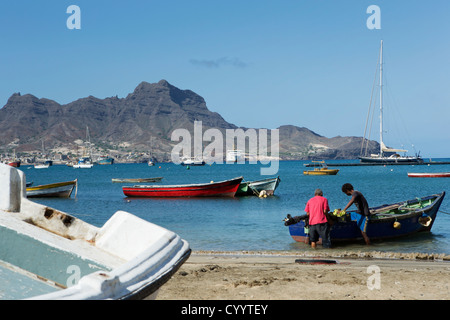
<point x="143" y="121"/>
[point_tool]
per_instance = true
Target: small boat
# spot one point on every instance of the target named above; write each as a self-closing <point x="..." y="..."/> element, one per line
<point x="120" y="180"/>
<point x="56" y="190"/>
<point x="234" y="156"/>
<point x="83" y="163"/>
<point x="226" y="188"/>
<point x="430" y="175"/>
<point x="104" y="160"/>
<point x="48" y="254"/>
<point x="41" y="166"/>
<point x="386" y="222"/>
<point x="321" y="171"/>
<point x="14" y="163"/>
<point x="259" y="187"/>
<point x="192" y="162"/>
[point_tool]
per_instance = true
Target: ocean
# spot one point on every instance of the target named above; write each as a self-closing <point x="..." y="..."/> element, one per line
<point x="248" y="223"/>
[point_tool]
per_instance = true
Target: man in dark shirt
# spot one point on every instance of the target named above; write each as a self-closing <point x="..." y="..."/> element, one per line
<point x="363" y="214"/>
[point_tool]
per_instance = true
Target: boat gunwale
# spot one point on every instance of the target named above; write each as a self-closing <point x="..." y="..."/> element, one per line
<point x="52" y="185"/>
<point x="406" y="215"/>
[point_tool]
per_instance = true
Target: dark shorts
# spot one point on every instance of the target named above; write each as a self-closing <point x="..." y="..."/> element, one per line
<point x="321" y="230"/>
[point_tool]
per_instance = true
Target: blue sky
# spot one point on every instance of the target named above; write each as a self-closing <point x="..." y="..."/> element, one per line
<point x="309" y="63"/>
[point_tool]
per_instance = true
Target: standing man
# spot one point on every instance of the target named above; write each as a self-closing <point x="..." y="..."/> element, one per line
<point x="317" y="209"/>
<point x="363" y="214"/>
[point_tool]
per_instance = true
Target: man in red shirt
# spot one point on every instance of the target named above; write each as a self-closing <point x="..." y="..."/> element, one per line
<point x="317" y="209"/>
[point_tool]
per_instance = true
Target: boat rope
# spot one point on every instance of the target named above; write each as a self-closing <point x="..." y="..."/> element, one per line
<point x="444" y="212"/>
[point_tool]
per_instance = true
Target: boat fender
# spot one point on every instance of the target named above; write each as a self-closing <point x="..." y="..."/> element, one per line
<point x="263" y="194"/>
<point x="397" y="225"/>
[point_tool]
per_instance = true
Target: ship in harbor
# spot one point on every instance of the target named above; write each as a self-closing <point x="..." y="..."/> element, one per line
<point x="104" y="160"/>
<point x="386" y="155"/>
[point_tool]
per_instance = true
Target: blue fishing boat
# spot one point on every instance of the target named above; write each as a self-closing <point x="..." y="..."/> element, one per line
<point x="104" y="160"/>
<point x="386" y="221"/>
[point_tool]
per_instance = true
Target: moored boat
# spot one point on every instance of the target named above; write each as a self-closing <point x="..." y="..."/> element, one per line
<point x="56" y="190"/>
<point x="429" y="175"/>
<point x="192" y="162"/>
<point x="386" y="155"/>
<point x="259" y="187"/>
<point x="225" y="188"/>
<point x="83" y="163"/>
<point x="50" y="255"/>
<point x="234" y="156"/>
<point x="104" y="160"/>
<point x="137" y="180"/>
<point x="320" y="169"/>
<point x="41" y="166"/>
<point x="386" y="222"/>
<point x="14" y="163"/>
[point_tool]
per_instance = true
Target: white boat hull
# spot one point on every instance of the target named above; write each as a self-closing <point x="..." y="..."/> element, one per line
<point x="126" y="258"/>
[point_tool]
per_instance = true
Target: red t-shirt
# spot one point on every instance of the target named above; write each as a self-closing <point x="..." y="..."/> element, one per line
<point x="316" y="207"/>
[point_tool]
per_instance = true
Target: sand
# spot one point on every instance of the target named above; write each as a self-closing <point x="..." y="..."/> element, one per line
<point x="276" y="276"/>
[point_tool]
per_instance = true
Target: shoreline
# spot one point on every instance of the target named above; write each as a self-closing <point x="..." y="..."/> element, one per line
<point x="349" y="254"/>
<point x="258" y="275"/>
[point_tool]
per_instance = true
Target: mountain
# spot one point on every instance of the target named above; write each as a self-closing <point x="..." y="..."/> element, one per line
<point x="302" y="143"/>
<point x="143" y="121"/>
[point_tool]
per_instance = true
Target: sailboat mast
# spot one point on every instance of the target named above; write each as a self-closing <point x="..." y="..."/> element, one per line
<point x="381" y="99"/>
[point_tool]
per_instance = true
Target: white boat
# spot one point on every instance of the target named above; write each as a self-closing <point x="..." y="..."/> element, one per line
<point x="386" y="155"/>
<point x="235" y="156"/>
<point x="192" y="162"/>
<point x="41" y="166"/>
<point x="50" y="255"/>
<point x="83" y="163"/>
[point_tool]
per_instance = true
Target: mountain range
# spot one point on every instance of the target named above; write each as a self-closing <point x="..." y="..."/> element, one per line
<point x="143" y="121"/>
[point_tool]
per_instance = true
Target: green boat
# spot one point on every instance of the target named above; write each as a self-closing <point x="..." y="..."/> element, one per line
<point x="258" y="188"/>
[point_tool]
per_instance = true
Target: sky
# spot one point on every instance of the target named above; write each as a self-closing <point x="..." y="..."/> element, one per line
<point x="258" y="63"/>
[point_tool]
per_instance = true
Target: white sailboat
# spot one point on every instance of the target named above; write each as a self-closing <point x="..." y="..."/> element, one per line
<point x="386" y="155"/>
<point x="85" y="162"/>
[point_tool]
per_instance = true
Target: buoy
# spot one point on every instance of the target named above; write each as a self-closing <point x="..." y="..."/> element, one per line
<point x="397" y="225"/>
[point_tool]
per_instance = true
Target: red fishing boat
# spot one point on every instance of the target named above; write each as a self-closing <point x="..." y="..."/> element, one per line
<point x="213" y="189"/>
<point x="430" y="175"/>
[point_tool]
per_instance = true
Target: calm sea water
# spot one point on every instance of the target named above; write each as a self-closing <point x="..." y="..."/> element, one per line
<point x="247" y="223"/>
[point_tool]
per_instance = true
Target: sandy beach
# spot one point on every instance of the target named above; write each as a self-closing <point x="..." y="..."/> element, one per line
<point x="277" y="276"/>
